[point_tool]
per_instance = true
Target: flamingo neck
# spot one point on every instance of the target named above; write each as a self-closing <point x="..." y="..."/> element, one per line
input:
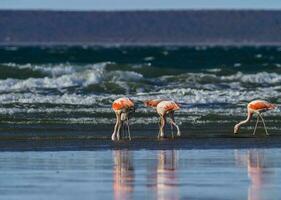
<point x="246" y="120"/>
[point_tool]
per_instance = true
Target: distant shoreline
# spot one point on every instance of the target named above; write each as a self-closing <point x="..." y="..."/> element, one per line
<point x="141" y="28"/>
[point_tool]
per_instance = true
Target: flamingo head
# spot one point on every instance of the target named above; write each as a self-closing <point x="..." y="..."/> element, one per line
<point x="236" y="128"/>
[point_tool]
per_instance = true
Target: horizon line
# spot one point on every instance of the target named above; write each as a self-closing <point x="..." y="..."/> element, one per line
<point x="141" y="10"/>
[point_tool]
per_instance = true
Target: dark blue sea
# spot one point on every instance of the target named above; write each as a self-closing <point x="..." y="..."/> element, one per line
<point x="53" y="90"/>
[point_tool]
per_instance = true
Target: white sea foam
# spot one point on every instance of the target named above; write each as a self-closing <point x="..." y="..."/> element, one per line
<point x="194" y="96"/>
<point x="149" y="58"/>
<point x="125" y="76"/>
<point x="189" y="88"/>
<point x="260" y="78"/>
<point x="258" y="55"/>
<point x="61" y="73"/>
<point x="237" y="65"/>
<point x="213" y="70"/>
<point x="58" y="69"/>
<point x="75" y="79"/>
<point x="63" y="76"/>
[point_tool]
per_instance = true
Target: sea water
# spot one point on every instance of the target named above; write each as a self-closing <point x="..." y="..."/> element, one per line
<point x="252" y="174"/>
<point x="71" y="88"/>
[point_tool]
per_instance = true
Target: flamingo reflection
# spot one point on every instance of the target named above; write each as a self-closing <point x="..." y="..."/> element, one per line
<point x="254" y="160"/>
<point x="166" y="181"/>
<point x="256" y="174"/>
<point x="123" y="174"/>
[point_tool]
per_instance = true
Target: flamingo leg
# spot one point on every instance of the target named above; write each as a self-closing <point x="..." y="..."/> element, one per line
<point x="163" y="123"/>
<point x="159" y="123"/>
<point x="263" y="124"/>
<point x="116" y="126"/>
<point x="124" y="125"/>
<point x="171" y="122"/>
<point x="118" y="129"/>
<point x="123" y="131"/>
<point x="128" y="126"/>
<point x="113" y="136"/>
<point x="174" y="123"/>
<point x="258" y="117"/>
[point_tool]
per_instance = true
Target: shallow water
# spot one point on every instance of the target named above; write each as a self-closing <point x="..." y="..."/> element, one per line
<point x="252" y="174"/>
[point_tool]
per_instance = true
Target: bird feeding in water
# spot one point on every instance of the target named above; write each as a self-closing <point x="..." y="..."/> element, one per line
<point x="122" y="107"/>
<point x="164" y="108"/>
<point x="152" y="103"/>
<point x="256" y="107"/>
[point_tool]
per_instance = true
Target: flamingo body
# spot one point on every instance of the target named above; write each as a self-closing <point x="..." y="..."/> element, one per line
<point x="165" y="107"/>
<point x="122" y="104"/>
<point x="260" y="106"/>
<point x="256" y="107"/>
<point x="152" y="103"/>
<point x="122" y="108"/>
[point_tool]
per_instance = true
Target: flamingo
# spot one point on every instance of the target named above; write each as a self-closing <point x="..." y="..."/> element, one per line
<point x="256" y="107"/>
<point x="164" y="107"/>
<point x="122" y="108"/>
<point x="153" y="103"/>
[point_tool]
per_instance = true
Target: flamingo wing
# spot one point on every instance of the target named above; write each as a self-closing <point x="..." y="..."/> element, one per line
<point x="171" y="106"/>
<point x="153" y="103"/>
<point x="122" y="103"/>
<point x="261" y="105"/>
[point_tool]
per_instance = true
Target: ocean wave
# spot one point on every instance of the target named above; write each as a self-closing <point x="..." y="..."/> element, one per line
<point x="104" y="78"/>
<point x="72" y="80"/>
<point x="186" y="96"/>
<point x="62" y="76"/>
<point x="258" y="78"/>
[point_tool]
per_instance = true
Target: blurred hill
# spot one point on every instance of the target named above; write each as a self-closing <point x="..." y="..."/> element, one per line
<point x="140" y="27"/>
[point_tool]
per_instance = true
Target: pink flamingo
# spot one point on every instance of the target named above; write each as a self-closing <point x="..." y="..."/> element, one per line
<point x="122" y="108"/>
<point x="163" y="108"/>
<point x="256" y="107"/>
<point x="153" y="103"/>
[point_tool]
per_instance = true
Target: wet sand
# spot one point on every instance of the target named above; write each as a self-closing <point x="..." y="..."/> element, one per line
<point x="95" y="144"/>
<point x="211" y="136"/>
